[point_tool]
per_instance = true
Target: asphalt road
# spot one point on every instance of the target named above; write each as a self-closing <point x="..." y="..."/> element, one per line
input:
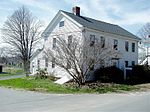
<point x="25" y="101"/>
<point x="11" y="77"/>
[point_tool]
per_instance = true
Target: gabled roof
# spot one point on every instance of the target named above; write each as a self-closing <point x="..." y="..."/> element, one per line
<point x="101" y="26"/>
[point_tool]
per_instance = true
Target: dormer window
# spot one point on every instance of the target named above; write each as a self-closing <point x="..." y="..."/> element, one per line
<point x="61" y="24"/>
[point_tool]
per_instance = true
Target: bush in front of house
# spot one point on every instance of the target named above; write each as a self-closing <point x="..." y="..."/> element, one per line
<point x="109" y="74"/>
<point x="41" y="74"/>
<point x="140" y="74"/>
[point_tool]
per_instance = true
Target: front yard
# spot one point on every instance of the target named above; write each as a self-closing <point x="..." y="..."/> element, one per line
<point x="46" y="85"/>
<point x="10" y="71"/>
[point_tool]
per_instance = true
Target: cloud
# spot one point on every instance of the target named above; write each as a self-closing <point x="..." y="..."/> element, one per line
<point x="42" y="5"/>
<point x="116" y="11"/>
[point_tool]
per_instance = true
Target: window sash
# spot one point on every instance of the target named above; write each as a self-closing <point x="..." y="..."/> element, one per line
<point x="53" y="62"/>
<point x="115" y="44"/>
<point x="133" y="47"/>
<point x="133" y="63"/>
<point x="126" y="64"/>
<point x="102" y="42"/>
<point x="46" y="62"/>
<point x="92" y="40"/>
<point x="126" y="45"/>
<point x="61" y="24"/>
<point x="54" y="42"/>
<point x="69" y="40"/>
<point x="38" y="64"/>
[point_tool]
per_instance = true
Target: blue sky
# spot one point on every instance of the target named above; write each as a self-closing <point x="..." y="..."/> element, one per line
<point x="130" y="14"/>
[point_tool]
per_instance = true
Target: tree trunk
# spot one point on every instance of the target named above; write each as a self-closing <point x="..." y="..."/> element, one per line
<point x="27" y="67"/>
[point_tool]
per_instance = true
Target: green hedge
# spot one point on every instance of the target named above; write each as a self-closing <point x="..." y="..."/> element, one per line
<point x="109" y="74"/>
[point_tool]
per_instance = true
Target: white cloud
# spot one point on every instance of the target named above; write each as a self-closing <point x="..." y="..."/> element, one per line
<point x="105" y="10"/>
<point x="38" y="4"/>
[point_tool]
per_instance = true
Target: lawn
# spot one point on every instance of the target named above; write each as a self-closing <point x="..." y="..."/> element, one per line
<point x="10" y="71"/>
<point x="46" y="85"/>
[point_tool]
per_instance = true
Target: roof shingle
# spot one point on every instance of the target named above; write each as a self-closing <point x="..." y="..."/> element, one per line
<point x="101" y="26"/>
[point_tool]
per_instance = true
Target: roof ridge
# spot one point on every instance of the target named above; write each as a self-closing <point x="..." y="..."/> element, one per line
<point x="90" y="18"/>
<point x="101" y="25"/>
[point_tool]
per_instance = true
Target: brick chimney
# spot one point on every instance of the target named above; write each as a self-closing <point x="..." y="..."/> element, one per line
<point x="76" y="10"/>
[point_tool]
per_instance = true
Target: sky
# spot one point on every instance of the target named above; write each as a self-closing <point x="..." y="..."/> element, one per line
<point x="129" y="14"/>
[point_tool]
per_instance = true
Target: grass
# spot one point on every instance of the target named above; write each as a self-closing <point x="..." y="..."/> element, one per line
<point x="45" y="85"/>
<point x="9" y="71"/>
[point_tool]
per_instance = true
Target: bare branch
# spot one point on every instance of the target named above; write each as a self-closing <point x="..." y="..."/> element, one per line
<point x="22" y="31"/>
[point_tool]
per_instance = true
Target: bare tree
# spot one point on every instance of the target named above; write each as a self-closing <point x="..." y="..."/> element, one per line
<point x="2" y="51"/>
<point x="22" y="31"/>
<point x="144" y="32"/>
<point x="78" y="56"/>
<point x="3" y="54"/>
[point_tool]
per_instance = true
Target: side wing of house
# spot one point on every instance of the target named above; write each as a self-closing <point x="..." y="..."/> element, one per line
<point x="126" y="47"/>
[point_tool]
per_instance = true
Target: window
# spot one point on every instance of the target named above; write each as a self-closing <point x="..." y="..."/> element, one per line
<point x="133" y="47"/>
<point x="133" y="63"/>
<point x="92" y="40"/>
<point x="126" y="63"/>
<point x="127" y="46"/>
<point x="102" y="42"/>
<point x="68" y="64"/>
<point x="46" y="62"/>
<point x="54" y="43"/>
<point x="115" y="44"/>
<point x="61" y="24"/>
<point x="53" y="62"/>
<point x="69" y="41"/>
<point x="91" y="64"/>
<point x="38" y="64"/>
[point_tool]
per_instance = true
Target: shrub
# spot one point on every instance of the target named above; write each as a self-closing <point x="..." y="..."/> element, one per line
<point x="140" y="74"/>
<point x="41" y="74"/>
<point x="109" y="74"/>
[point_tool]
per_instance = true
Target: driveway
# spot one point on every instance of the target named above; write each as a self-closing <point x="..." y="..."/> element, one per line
<point x="23" y="101"/>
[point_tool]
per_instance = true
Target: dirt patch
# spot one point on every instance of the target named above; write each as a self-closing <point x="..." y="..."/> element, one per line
<point x="143" y="87"/>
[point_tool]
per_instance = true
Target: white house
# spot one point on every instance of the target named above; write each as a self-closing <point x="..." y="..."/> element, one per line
<point x="144" y="51"/>
<point x="67" y="24"/>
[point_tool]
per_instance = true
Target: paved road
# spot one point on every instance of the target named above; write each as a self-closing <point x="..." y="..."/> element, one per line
<point x="11" y="77"/>
<point x="22" y="101"/>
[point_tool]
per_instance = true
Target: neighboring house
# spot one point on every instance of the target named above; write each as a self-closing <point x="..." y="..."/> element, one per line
<point x="144" y="51"/>
<point x="67" y="24"/>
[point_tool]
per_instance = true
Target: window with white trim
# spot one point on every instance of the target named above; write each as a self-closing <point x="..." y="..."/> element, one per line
<point x="133" y="47"/>
<point x="126" y="64"/>
<point x="115" y="44"/>
<point x="133" y="63"/>
<point x="38" y="64"/>
<point x="53" y="62"/>
<point x="127" y="46"/>
<point x="92" y="40"/>
<point x="69" y="41"/>
<point x="54" y="43"/>
<point x="61" y="24"/>
<point x="102" y="42"/>
<point x="46" y="62"/>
